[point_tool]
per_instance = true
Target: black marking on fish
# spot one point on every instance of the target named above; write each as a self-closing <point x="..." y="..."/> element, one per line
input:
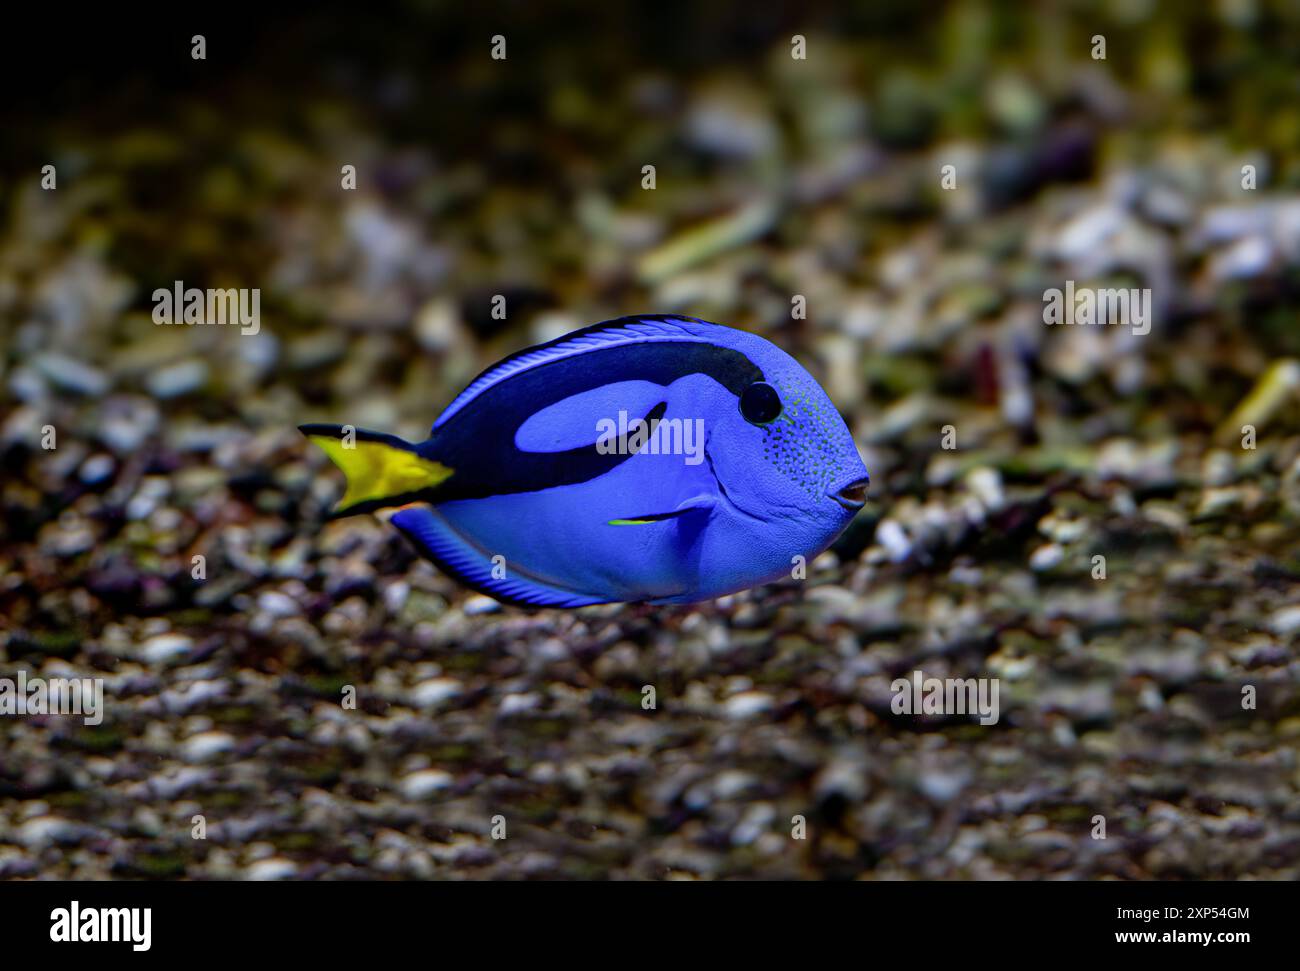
<point x="478" y="441"/>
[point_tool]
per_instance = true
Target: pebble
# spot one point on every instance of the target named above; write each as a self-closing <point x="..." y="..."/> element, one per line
<point x="1218" y="468"/>
<point x="192" y="695"/>
<point x="480" y="604"/>
<point x="842" y="777"/>
<point x="437" y="325"/>
<point x="1090" y="230"/>
<point x="162" y="648"/>
<point x="1243" y="260"/>
<point x="747" y="704"/>
<point x="395" y="595"/>
<point x="514" y="704"/>
<point x="278" y="604"/>
<point x="207" y="746"/>
<point x="426" y="783"/>
<point x="730" y="125"/>
<point x="96" y="469"/>
<point x="757" y="818"/>
<point x="891" y="536"/>
<point x="176" y="380"/>
<point x="69" y="374"/>
<point x="943" y="786"/>
<point x="986" y="484"/>
<point x="27" y="385"/>
<point x="274" y="868"/>
<point x="433" y="692"/>
<point x="1285" y="622"/>
<point x="72" y="538"/>
<point x="1046" y="557"/>
<point x="125" y="423"/>
<point x="1215" y="502"/>
<point x="43" y="831"/>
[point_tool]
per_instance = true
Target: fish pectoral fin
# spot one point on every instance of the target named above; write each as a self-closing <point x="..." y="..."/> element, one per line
<point x="695" y="504"/>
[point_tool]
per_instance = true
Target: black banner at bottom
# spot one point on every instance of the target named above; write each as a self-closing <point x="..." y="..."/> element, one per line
<point x="332" y="920"/>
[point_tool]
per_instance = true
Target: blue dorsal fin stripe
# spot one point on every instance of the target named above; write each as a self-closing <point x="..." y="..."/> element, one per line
<point x="610" y="333"/>
<point x="465" y="562"/>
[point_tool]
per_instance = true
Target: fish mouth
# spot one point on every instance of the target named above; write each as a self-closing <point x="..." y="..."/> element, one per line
<point x="854" y="495"/>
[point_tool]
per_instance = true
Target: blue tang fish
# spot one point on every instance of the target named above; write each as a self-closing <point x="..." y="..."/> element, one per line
<point x="661" y="459"/>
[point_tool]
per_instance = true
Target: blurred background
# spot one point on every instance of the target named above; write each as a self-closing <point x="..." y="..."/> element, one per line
<point x="776" y="177"/>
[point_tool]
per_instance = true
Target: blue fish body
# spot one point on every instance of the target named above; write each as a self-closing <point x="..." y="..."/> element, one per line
<point x="660" y="459"/>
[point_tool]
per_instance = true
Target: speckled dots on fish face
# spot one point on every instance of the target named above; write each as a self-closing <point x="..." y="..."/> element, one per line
<point x="802" y="440"/>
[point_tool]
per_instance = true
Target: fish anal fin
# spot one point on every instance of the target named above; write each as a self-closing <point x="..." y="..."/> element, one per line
<point x="468" y="564"/>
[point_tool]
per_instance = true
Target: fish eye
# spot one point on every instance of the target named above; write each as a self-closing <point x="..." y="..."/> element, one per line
<point x="759" y="403"/>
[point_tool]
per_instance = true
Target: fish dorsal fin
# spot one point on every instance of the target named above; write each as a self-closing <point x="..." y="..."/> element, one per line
<point x="611" y="333"/>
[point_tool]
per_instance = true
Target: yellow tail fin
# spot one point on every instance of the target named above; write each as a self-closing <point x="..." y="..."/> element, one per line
<point x="381" y="470"/>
